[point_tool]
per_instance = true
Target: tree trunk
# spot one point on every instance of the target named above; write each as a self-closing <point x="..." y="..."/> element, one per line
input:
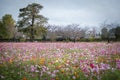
<point x="32" y="30"/>
<point x="74" y="39"/>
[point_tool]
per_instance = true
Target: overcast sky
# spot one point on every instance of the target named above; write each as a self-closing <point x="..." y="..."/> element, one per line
<point x="63" y="12"/>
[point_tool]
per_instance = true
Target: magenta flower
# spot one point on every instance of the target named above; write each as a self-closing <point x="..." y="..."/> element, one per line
<point x="104" y="66"/>
<point x="95" y="69"/>
<point x="92" y="65"/>
<point x="118" y="64"/>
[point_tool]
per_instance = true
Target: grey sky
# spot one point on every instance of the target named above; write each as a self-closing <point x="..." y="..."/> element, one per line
<point x="62" y="12"/>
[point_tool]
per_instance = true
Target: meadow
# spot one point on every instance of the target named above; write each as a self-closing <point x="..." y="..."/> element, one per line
<point x="60" y="61"/>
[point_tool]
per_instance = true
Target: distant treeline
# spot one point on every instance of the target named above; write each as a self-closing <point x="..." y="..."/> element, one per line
<point x="58" y="40"/>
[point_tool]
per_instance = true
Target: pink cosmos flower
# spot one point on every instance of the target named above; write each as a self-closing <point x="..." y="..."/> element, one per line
<point x="95" y="69"/>
<point x="118" y="64"/>
<point x="53" y="75"/>
<point x="104" y="66"/>
<point x="92" y="65"/>
<point x="32" y="68"/>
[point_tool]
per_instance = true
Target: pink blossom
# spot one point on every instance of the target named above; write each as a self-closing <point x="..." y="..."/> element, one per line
<point x="32" y="68"/>
<point x="92" y="65"/>
<point x="104" y="66"/>
<point x="118" y="64"/>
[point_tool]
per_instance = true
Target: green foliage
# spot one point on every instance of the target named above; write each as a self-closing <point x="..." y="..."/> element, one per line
<point x="22" y="39"/>
<point x="40" y="31"/>
<point x="11" y="72"/>
<point x="7" y="27"/>
<point x="117" y="32"/>
<point x="91" y="39"/>
<point x="2" y="30"/>
<point x="111" y="75"/>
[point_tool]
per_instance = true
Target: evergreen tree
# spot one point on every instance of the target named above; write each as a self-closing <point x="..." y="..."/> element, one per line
<point x="31" y="22"/>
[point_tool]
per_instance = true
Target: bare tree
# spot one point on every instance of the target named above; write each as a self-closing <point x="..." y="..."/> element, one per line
<point x="52" y="32"/>
<point x="69" y="32"/>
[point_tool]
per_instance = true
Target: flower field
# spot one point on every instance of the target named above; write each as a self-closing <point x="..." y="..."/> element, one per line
<point x="60" y="61"/>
